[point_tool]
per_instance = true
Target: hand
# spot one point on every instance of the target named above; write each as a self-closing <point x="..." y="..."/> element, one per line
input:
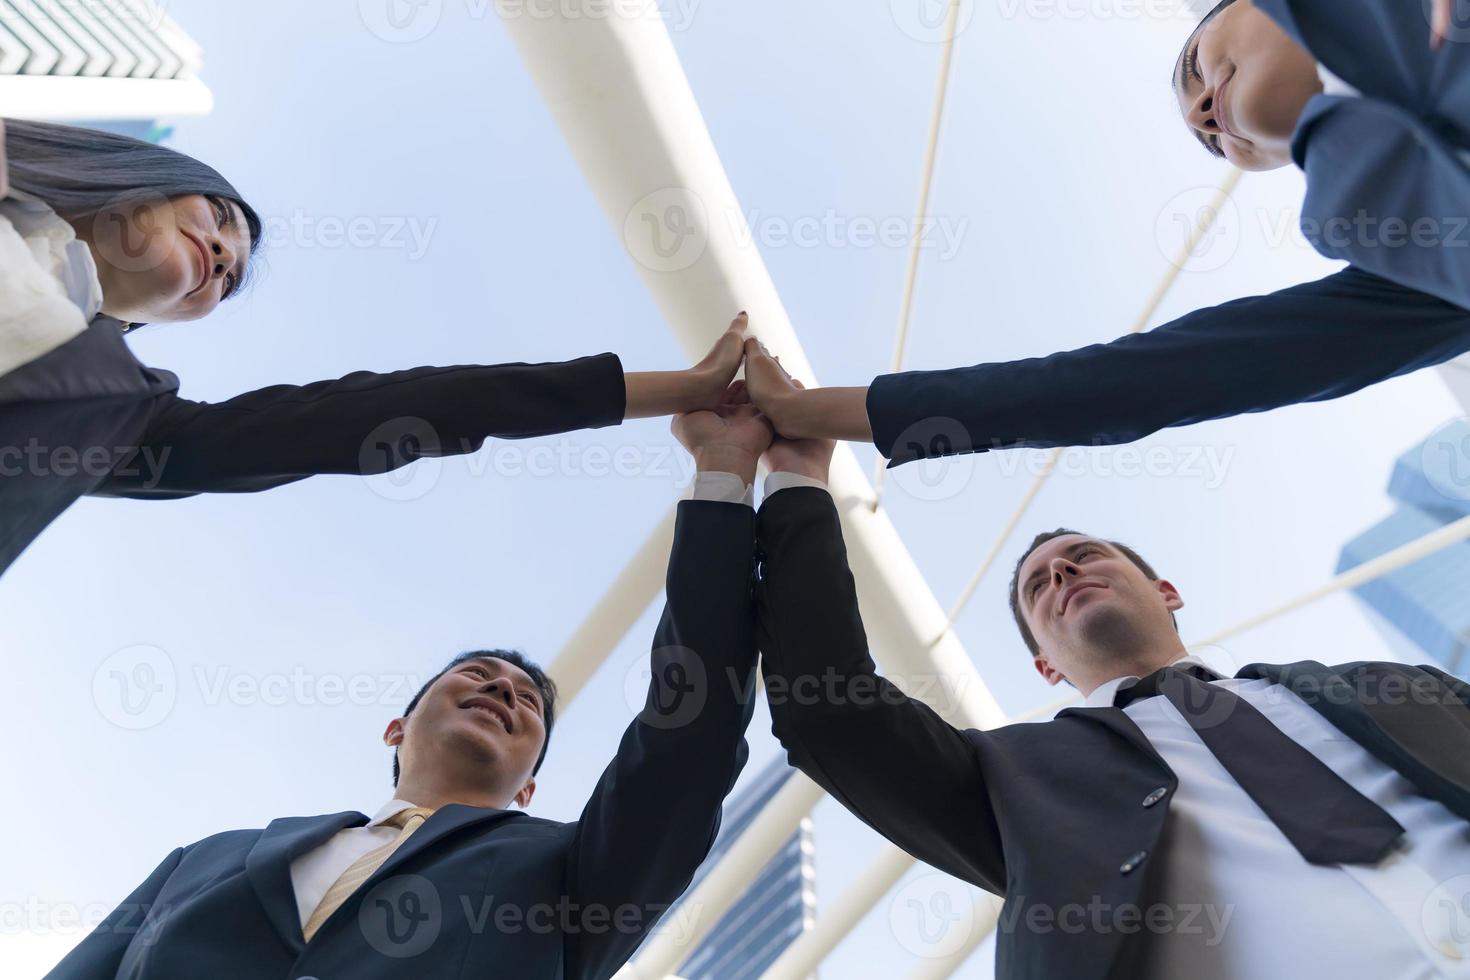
<point x="771" y="388"/>
<point x="729" y="438"/>
<point x="809" y="457"/>
<point x="1441" y="22"/>
<point x="702" y="387"/>
<point x="711" y="377"/>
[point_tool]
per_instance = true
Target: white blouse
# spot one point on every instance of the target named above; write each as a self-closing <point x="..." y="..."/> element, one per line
<point x="49" y="290"/>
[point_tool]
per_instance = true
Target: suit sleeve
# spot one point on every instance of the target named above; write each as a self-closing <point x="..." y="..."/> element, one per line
<point x="656" y="809"/>
<point x="1311" y="342"/>
<point x="361" y="424"/>
<point x="99" y="956"/>
<point x="1410" y="227"/>
<point x="888" y="758"/>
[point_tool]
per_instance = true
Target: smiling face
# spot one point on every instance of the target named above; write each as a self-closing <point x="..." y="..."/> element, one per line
<point x="1241" y="83"/>
<point x="1093" y="612"/>
<point x="480" y="728"/>
<point x="167" y="259"/>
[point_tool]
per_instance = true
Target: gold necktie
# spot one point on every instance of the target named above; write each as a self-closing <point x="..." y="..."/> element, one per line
<point x="362" y="869"/>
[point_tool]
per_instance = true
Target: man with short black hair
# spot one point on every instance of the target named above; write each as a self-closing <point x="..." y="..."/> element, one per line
<point x="450" y="878"/>
<point x="1297" y="820"/>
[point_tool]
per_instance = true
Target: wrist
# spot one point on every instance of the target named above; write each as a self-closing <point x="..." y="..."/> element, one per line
<point x="811" y="469"/>
<point x="726" y="459"/>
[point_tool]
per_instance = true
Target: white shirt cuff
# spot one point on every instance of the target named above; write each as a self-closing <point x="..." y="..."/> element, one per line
<point x="725" y="488"/>
<point x="776" y="482"/>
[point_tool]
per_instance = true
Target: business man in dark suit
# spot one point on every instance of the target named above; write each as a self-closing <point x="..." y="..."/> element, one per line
<point x="1297" y="820"/>
<point x="451" y="878"/>
<point x="1349" y="91"/>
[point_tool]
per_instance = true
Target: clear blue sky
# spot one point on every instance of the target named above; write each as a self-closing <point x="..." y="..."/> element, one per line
<point x="1060" y="160"/>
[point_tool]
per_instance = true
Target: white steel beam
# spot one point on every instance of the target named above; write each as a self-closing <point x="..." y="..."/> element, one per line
<point x="616" y="89"/>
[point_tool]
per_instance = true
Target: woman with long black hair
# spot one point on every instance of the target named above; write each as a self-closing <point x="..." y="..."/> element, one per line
<point x="100" y="233"/>
<point x="1372" y="102"/>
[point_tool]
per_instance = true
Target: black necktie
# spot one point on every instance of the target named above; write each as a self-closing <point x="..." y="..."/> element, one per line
<point x="1325" y="819"/>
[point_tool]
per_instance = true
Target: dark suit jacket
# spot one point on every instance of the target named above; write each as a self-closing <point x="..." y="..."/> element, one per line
<point x="89" y="418"/>
<point x="1375" y="166"/>
<point x="1050" y="815"/>
<point x="478" y="892"/>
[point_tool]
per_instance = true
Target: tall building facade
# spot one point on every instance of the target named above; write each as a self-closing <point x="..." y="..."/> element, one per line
<point x="777" y="908"/>
<point x="1423" y="608"/>
<point x="87" y="60"/>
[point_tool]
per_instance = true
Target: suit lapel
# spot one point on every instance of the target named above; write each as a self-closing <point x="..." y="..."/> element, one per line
<point x="268" y="866"/>
<point x="447" y="820"/>
<point x="1419" y="731"/>
<point x="1117" y="720"/>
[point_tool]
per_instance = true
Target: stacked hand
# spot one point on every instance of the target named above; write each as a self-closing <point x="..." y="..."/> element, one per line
<point x="747" y="423"/>
<point x="728" y="438"/>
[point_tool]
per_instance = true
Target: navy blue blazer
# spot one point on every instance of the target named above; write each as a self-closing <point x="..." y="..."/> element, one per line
<point x="1388" y="190"/>
<point x="480" y="892"/>
<point x="89" y="418"/>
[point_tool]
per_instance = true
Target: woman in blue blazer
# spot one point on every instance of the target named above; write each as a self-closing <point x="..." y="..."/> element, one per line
<point x="1376" y="111"/>
<point x="100" y="233"/>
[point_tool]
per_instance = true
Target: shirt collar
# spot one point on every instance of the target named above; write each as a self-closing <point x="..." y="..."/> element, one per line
<point x="1103" y="696"/>
<point x="388" y="809"/>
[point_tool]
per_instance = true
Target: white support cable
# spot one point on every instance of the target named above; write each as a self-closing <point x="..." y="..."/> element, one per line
<point x="609" y="621"/>
<point x="1205" y="220"/>
<point x="926" y="183"/>
<point x="1407" y="554"/>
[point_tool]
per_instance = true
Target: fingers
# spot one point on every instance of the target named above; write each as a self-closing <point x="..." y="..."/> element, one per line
<point x="1440" y="25"/>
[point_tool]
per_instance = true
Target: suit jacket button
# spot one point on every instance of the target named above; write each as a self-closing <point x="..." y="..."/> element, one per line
<point x="1133" y="861"/>
<point x="1156" y="796"/>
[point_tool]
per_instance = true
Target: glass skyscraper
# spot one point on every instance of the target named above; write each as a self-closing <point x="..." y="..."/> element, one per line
<point x="1426" y="605"/>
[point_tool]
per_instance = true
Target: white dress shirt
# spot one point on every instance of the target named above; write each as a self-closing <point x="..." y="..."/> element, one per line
<point x="49" y="289"/>
<point x="313" y="872"/>
<point x="1332" y="85"/>
<point x="1267" y="912"/>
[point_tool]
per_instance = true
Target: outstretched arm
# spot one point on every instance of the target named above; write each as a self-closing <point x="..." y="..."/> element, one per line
<point x="656" y="810"/>
<point x="891" y="760"/>
<point x="1311" y="342"/>
<point x="367" y="423"/>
